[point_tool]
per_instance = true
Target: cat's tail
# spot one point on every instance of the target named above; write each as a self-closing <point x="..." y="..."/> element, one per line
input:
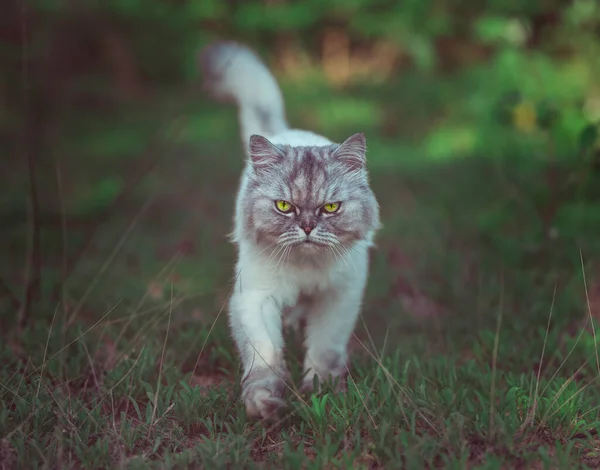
<point x="233" y="72"/>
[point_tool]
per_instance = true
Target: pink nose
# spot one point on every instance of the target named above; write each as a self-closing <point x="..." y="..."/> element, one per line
<point x="307" y="228"/>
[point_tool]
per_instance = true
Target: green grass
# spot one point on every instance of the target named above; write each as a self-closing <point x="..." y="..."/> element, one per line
<point x="475" y="348"/>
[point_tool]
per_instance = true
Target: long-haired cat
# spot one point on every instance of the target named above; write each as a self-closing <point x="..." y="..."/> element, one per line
<point x="304" y="220"/>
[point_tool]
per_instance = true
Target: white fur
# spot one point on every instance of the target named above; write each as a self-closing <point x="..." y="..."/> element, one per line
<point x="266" y="286"/>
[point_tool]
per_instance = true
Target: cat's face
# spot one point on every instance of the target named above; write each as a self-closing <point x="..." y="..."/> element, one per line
<point x="309" y="199"/>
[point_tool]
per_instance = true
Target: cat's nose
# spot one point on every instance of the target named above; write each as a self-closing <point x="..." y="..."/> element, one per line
<point x="307" y="227"/>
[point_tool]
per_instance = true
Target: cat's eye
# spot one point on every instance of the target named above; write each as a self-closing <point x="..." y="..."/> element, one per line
<point x="331" y="207"/>
<point x="284" y="206"/>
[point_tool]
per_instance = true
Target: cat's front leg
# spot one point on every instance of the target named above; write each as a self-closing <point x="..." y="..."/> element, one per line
<point x="329" y="326"/>
<point x="255" y="319"/>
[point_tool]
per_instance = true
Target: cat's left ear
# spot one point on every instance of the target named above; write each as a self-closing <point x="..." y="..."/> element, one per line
<point x="353" y="151"/>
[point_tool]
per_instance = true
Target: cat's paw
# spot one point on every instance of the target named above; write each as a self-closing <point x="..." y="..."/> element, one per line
<point x="312" y="383"/>
<point x="262" y="394"/>
<point x="261" y="403"/>
<point x="327" y="366"/>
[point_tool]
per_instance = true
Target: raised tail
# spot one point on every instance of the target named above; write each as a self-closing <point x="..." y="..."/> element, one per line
<point x="233" y="72"/>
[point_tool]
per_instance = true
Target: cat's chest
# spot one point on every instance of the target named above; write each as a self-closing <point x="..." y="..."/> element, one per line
<point x="300" y="295"/>
<point x="306" y="283"/>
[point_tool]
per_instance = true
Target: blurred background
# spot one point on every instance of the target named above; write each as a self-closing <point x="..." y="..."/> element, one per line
<point x="119" y="176"/>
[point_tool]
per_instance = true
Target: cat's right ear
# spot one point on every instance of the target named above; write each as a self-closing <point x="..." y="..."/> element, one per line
<point x="263" y="153"/>
<point x="352" y="152"/>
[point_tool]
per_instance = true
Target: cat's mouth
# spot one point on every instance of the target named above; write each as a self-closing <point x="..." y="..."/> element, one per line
<point x="309" y="243"/>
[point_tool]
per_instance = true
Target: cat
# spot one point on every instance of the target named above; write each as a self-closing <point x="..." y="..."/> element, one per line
<point x="305" y="218"/>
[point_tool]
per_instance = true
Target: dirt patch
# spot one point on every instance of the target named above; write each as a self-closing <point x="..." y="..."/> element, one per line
<point x="207" y="381"/>
<point x="8" y="455"/>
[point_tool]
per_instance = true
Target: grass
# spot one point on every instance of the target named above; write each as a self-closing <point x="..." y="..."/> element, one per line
<point x="476" y="348"/>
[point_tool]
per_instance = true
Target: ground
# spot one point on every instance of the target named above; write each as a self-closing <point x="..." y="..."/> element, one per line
<point x="476" y="347"/>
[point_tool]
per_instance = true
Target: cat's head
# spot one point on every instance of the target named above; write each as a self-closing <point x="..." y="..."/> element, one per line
<point x="311" y="199"/>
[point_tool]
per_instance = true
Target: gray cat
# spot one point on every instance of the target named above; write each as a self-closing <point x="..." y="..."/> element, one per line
<point x="305" y="218"/>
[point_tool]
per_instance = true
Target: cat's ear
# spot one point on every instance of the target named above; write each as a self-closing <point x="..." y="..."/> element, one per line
<point x="263" y="153"/>
<point x="353" y="151"/>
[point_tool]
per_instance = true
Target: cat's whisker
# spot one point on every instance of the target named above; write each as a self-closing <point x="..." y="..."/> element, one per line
<point x="347" y="253"/>
<point x="273" y="251"/>
<point x="336" y="255"/>
<point x="288" y="253"/>
<point x="276" y="251"/>
<point x="264" y="249"/>
<point x="281" y="257"/>
<point x="344" y="253"/>
<point x="281" y="244"/>
<point x="343" y="256"/>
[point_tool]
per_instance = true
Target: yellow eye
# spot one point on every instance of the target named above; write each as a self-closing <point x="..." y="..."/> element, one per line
<point x="283" y="206"/>
<point x="331" y="207"/>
